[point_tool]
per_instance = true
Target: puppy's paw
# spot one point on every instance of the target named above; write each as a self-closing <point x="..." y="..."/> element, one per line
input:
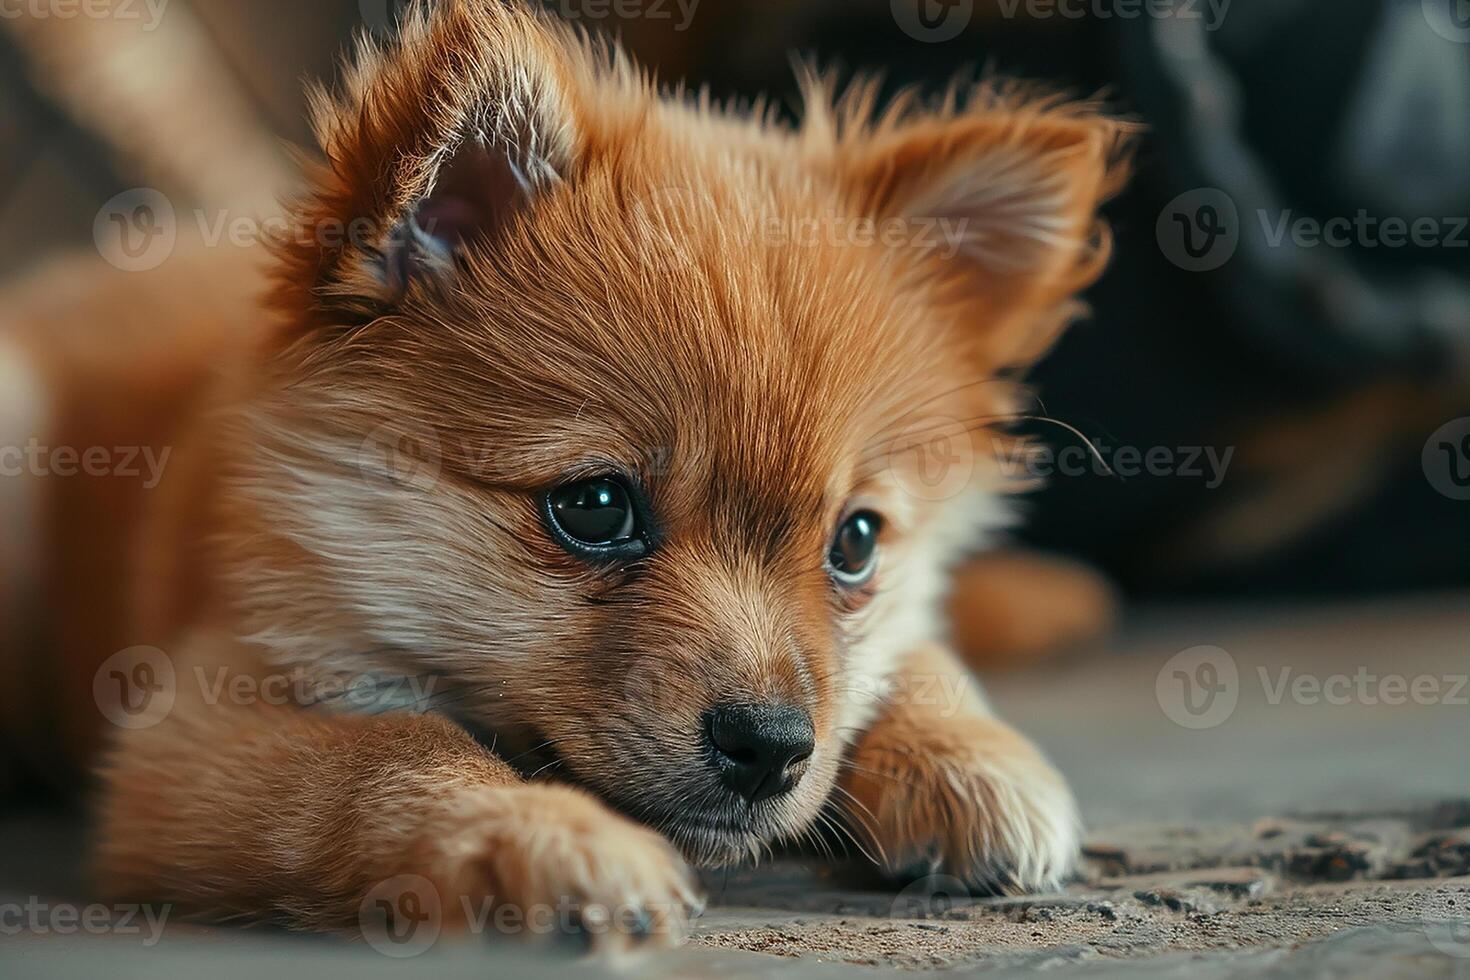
<point x="965" y="798"/>
<point x="547" y="862"/>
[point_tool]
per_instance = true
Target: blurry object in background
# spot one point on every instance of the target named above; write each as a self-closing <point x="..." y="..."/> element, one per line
<point x="1012" y="608"/>
<point x="162" y="97"/>
<point x="191" y="101"/>
<point x="1362" y="130"/>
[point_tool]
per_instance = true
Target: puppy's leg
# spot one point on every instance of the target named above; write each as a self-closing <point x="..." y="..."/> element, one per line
<point x="947" y="788"/>
<point x="261" y="813"/>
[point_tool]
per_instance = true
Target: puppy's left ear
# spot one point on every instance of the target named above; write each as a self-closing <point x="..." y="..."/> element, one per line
<point x="434" y="148"/>
<point x="1002" y="200"/>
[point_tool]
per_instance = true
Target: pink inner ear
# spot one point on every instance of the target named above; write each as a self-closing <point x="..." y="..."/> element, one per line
<point x="477" y="193"/>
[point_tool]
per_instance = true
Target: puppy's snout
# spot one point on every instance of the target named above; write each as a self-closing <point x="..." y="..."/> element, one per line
<point x="756" y="748"/>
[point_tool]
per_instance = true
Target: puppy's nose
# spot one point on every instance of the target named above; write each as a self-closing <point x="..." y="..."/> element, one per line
<point x="756" y="746"/>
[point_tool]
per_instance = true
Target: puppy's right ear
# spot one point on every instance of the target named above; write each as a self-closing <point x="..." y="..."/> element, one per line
<point x="433" y="149"/>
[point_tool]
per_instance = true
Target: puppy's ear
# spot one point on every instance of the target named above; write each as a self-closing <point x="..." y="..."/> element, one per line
<point x="433" y="148"/>
<point x="1000" y="193"/>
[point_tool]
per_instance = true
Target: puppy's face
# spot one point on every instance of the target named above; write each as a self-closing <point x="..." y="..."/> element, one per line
<point x="616" y="427"/>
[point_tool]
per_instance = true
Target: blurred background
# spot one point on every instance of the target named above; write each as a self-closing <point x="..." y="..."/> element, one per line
<point x="1277" y="372"/>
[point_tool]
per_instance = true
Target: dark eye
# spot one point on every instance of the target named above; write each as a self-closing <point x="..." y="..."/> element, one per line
<point x="596" y="517"/>
<point x="854" y="550"/>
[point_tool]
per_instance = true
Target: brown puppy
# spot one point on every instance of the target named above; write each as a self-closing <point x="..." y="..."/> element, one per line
<point x="587" y="438"/>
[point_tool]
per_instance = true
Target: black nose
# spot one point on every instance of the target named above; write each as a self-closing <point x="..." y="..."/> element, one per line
<point x="756" y="747"/>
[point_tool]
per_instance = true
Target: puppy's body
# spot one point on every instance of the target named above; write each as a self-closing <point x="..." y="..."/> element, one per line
<point x="559" y="278"/>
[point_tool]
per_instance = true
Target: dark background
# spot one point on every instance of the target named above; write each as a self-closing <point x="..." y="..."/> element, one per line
<point x="1327" y="371"/>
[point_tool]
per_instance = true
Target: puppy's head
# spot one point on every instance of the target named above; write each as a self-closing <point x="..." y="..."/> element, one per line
<point x="610" y="409"/>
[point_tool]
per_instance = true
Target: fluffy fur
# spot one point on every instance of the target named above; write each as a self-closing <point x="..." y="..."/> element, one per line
<point x="617" y="290"/>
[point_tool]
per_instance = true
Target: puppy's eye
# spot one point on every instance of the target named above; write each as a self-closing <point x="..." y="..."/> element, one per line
<point x="855" y="549"/>
<point x="596" y="517"/>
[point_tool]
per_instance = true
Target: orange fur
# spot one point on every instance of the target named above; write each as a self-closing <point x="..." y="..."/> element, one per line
<point x="633" y="305"/>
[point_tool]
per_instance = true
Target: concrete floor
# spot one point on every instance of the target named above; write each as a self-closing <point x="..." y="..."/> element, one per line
<point x="1294" y="824"/>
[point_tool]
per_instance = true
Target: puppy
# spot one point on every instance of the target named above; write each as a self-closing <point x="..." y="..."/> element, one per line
<point x="566" y="513"/>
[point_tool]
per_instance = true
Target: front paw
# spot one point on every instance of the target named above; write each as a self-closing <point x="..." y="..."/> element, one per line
<point x="966" y="798"/>
<point x="546" y="862"/>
